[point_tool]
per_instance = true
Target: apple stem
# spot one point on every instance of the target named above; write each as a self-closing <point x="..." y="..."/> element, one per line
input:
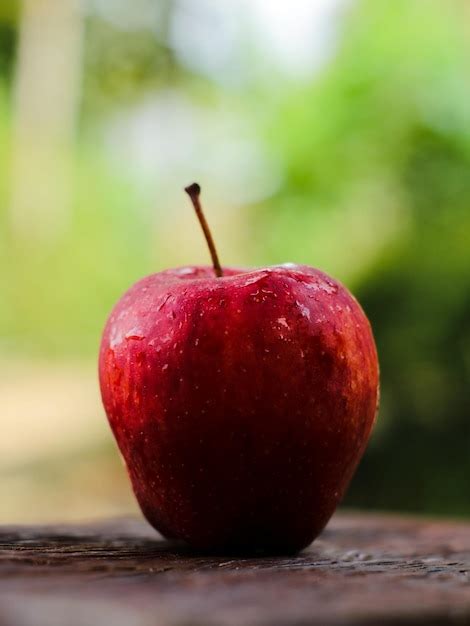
<point x="194" y="192"/>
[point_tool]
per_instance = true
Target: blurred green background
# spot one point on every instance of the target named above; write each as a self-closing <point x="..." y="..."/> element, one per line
<point x="334" y="133"/>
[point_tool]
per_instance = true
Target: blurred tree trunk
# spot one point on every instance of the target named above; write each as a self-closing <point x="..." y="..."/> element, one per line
<point x="47" y="91"/>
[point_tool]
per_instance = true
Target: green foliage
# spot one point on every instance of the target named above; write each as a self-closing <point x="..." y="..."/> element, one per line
<point x="58" y="292"/>
<point x="121" y="66"/>
<point x="9" y="10"/>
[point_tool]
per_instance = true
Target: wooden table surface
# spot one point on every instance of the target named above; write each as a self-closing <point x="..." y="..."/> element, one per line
<point x="364" y="569"/>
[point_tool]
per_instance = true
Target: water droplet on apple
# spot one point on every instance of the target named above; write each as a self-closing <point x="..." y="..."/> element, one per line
<point x="251" y="280"/>
<point x="115" y="338"/>
<point x="322" y="285"/>
<point x="154" y="342"/>
<point x="185" y="271"/>
<point x="305" y="311"/>
<point x="283" y="322"/>
<point x="134" y="333"/>
<point x="328" y="286"/>
<point x="164" y="301"/>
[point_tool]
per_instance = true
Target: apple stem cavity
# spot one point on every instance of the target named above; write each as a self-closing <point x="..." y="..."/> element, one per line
<point x="194" y="191"/>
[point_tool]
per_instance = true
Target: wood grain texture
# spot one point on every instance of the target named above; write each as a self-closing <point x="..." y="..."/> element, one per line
<point x="363" y="570"/>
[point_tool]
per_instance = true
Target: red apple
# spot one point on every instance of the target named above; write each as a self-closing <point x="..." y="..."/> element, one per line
<point x="241" y="400"/>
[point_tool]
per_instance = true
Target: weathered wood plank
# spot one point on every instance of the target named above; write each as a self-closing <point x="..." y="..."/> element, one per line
<point x="363" y="570"/>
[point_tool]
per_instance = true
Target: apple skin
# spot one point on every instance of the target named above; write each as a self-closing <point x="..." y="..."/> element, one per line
<point x="241" y="405"/>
